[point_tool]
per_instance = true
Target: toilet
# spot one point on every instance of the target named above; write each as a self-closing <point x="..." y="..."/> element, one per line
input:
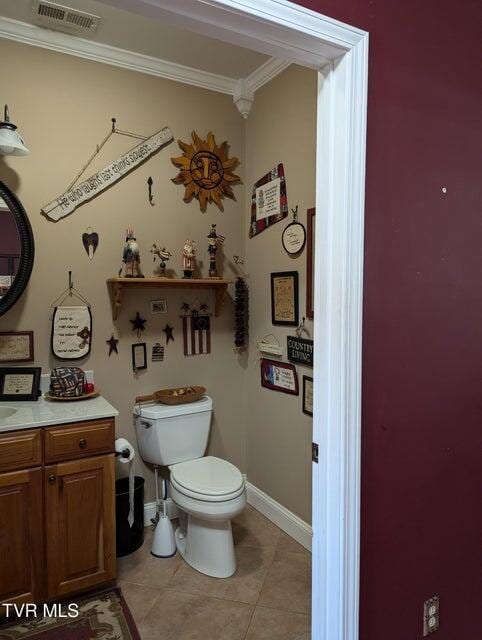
<point x="209" y="491"/>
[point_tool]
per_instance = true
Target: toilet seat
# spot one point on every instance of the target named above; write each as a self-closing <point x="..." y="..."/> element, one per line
<point x="208" y="479"/>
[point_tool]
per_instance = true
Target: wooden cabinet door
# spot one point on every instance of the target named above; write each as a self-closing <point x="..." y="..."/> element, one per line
<point x="21" y="536"/>
<point x="80" y="524"/>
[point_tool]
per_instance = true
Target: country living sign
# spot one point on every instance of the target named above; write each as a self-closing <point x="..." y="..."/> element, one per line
<point x="106" y="177"/>
<point x="300" y="350"/>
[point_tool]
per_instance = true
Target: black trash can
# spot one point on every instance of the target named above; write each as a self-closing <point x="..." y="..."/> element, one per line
<point x="129" y="539"/>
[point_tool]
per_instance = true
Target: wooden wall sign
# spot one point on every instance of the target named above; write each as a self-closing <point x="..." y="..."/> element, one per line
<point x="279" y="376"/>
<point x="300" y="350"/>
<point x="100" y="181"/>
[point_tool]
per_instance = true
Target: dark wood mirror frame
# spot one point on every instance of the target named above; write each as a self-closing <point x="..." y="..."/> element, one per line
<point x="27" y="249"/>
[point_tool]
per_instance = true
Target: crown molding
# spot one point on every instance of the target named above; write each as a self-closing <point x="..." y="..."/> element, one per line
<point x="98" y="52"/>
<point x="243" y="96"/>
<point x="265" y="73"/>
<point x="242" y="90"/>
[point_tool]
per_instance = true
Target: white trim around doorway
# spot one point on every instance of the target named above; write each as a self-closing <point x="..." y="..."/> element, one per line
<point x="340" y="53"/>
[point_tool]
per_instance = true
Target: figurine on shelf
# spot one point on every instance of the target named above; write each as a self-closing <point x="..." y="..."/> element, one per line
<point x="163" y="255"/>
<point x="214" y="240"/>
<point x="188" y="258"/>
<point x="131" y="257"/>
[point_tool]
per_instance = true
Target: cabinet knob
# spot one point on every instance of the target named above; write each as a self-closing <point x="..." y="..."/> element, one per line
<point x="82" y="443"/>
<point x="52" y="479"/>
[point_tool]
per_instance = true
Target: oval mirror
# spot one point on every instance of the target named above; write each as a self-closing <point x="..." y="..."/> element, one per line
<point x="16" y="249"/>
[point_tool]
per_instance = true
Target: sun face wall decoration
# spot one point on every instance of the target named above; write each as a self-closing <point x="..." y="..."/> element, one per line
<point x="206" y="171"/>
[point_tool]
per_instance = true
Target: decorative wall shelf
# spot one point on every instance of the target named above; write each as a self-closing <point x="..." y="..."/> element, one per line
<point x="117" y="286"/>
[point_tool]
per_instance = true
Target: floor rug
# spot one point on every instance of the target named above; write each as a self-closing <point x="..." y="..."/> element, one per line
<point x="102" y="616"/>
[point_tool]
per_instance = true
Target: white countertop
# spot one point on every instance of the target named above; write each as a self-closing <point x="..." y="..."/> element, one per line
<point x="43" y="413"/>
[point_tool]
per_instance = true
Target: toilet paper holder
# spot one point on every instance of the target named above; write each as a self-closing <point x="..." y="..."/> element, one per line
<point x="125" y="453"/>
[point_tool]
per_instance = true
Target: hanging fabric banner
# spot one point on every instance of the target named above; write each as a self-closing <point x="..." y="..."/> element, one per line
<point x="269" y="203"/>
<point x="71" y="332"/>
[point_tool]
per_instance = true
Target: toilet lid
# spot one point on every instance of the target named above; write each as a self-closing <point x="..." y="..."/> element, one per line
<point x="207" y="476"/>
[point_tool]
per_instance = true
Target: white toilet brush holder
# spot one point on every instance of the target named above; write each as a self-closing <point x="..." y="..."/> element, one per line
<point x="163" y="542"/>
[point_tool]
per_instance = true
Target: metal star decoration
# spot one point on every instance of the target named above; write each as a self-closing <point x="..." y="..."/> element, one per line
<point x="168" y="331"/>
<point x="112" y="342"/>
<point x="138" y="324"/>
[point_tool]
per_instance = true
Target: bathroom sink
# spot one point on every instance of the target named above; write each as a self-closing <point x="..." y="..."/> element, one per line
<point x="7" y="412"/>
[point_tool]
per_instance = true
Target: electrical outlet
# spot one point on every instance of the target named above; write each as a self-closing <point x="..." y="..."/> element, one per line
<point x="431" y="615"/>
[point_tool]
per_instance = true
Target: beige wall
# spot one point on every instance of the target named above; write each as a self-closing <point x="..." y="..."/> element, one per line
<point x="63" y="106"/>
<point x="280" y="128"/>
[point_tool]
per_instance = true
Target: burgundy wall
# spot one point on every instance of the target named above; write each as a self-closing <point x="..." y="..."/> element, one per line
<point x="422" y="352"/>
<point x="9" y="240"/>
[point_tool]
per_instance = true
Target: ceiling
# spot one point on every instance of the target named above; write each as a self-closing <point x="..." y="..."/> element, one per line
<point x="150" y="37"/>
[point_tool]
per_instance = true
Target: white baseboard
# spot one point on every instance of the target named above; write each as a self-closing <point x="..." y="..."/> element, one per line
<point x="280" y="516"/>
<point x="274" y="511"/>
<point x="149" y="512"/>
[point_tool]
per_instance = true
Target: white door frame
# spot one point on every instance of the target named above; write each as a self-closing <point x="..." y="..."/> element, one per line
<point x="340" y="53"/>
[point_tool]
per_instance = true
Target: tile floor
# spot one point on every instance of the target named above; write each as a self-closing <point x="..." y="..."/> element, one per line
<point x="268" y="598"/>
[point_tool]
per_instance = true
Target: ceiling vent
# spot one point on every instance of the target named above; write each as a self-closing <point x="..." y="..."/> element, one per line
<point x="56" y="16"/>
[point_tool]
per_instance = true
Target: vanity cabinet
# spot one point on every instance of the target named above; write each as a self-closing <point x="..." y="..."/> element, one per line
<point x="21" y="536"/>
<point x="57" y="513"/>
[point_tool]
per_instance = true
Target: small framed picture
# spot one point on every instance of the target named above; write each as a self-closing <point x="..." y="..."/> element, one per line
<point x="284" y="298"/>
<point x="308" y="395"/>
<point x="16" y="346"/>
<point x="279" y="376"/>
<point x="19" y="383"/>
<point x="159" y="306"/>
<point x="139" y="356"/>
<point x="157" y="352"/>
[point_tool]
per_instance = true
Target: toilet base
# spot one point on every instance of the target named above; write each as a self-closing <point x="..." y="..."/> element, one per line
<point x="207" y="546"/>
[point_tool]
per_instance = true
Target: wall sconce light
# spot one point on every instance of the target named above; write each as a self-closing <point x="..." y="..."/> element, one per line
<point x="11" y="144"/>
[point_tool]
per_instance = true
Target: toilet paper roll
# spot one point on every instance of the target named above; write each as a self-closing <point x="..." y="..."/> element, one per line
<point x="122" y="446"/>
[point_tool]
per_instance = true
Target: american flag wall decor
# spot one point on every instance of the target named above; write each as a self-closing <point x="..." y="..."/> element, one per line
<point x="196" y="331"/>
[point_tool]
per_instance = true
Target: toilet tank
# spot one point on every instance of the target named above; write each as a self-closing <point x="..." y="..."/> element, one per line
<point x="168" y="434"/>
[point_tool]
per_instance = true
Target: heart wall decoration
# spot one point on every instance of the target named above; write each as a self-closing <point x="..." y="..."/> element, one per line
<point x="90" y="240"/>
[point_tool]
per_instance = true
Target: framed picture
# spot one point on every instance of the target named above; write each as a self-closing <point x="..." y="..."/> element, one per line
<point x="284" y="298"/>
<point x="159" y="306"/>
<point x="308" y="395"/>
<point x="139" y="356"/>
<point x="19" y="383"/>
<point x="310" y="264"/>
<point x="279" y="376"/>
<point x="16" y="346"/>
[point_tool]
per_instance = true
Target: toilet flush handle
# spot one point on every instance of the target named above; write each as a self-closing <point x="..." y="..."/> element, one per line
<point x="146" y="424"/>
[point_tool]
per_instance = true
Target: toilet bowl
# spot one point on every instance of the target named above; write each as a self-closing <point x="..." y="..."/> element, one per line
<point x="211" y="492"/>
